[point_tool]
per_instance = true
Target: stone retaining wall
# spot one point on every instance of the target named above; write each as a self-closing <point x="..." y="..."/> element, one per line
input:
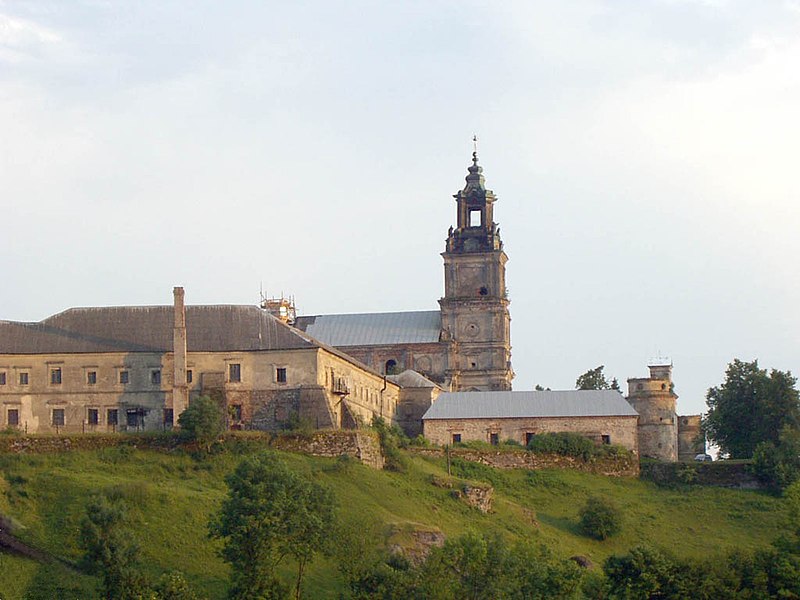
<point x="613" y="466"/>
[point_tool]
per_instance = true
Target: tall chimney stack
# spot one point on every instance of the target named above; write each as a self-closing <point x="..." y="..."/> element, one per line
<point x="180" y="390"/>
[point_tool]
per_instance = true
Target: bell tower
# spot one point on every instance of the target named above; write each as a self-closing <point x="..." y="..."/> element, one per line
<point x="475" y="318"/>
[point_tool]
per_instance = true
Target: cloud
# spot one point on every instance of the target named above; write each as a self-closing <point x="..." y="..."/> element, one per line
<point x="21" y="39"/>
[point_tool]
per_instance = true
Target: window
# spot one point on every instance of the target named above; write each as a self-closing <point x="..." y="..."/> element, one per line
<point x="55" y="376"/>
<point x="91" y="377"/>
<point x="483" y="291"/>
<point x="390" y="368"/>
<point x="280" y="374"/>
<point x="58" y="417"/>
<point x="474" y="218"/>
<point x="494" y="439"/>
<point x="168" y="417"/>
<point x="606" y="439"/>
<point x="189" y="376"/>
<point x="112" y="416"/>
<point x="23" y="379"/>
<point x="155" y="377"/>
<point x="456" y="438"/>
<point x="236" y="412"/>
<point x="93" y="416"/>
<point x="124" y="377"/>
<point x="528" y="437"/>
<point x="13" y="417"/>
<point x="234" y="372"/>
<point x="134" y="417"/>
<point x="2" y="378"/>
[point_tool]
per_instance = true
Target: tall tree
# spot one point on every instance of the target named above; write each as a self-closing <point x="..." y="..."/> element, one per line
<point x="270" y="513"/>
<point x="595" y="379"/>
<point x="202" y="421"/>
<point x="751" y="406"/>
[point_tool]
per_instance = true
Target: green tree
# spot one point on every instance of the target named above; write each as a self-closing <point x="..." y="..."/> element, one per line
<point x="202" y="421"/>
<point x="600" y="518"/>
<point x="595" y="379"/>
<point x="270" y="513"/>
<point x="778" y="465"/>
<point x="111" y="550"/>
<point x="751" y="406"/>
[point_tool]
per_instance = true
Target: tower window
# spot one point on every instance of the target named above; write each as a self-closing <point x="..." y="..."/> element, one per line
<point x="483" y="291"/>
<point x="390" y="368"/>
<point x="474" y="218"/>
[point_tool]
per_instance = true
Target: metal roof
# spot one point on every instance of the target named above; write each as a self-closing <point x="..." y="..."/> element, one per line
<point x="373" y="329"/>
<point x="411" y="379"/>
<point x="509" y="405"/>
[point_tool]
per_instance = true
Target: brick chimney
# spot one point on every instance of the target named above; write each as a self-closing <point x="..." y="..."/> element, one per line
<point x="180" y="390"/>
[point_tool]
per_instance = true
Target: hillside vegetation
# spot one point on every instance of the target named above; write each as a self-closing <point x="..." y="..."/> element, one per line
<point x="173" y="494"/>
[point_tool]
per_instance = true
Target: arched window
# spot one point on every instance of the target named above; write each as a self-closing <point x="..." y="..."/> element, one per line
<point x="390" y="368"/>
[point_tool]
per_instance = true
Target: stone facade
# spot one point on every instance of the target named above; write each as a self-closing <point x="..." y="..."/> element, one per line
<point x="620" y="430"/>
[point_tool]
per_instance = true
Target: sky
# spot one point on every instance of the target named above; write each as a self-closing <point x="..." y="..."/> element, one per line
<point x="644" y="153"/>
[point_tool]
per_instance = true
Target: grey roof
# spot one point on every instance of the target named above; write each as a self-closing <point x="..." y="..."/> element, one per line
<point x="500" y="405"/>
<point x="149" y="329"/>
<point x="411" y="379"/>
<point x="374" y="329"/>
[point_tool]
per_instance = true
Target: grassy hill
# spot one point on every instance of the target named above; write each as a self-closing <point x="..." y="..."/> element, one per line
<point x="173" y="495"/>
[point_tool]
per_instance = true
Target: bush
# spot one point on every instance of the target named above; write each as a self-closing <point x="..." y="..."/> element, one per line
<point x="564" y="443"/>
<point x="600" y="518"/>
<point x="391" y="439"/>
<point x="202" y="421"/>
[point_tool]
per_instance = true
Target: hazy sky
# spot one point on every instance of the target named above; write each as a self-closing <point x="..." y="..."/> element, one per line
<point x="646" y="156"/>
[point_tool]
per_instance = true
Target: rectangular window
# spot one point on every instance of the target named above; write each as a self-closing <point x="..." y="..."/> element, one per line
<point x="55" y="376"/>
<point x="133" y="417"/>
<point x="474" y="218"/>
<point x="234" y="372"/>
<point x="91" y="377"/>
<point x="494" y="439"/>
<point x="155" y="377"/>
<point x="92" y="416"/>
<point x="528" y="437"/>
<point x="280" y="374"/>
<point x="23" y="379"/>
<point x="168" y="417"/>
<point x="58" y="417"/>
<point x="124" y="377"/>
<point x="606" y="439"/>
<point x="189" y="376"/>
<point x="2" y="378"/>
<point x="236" y="413"/>
<point x="456" y="438"/>
<point x="112" y="416"/>
<point x="13" y="417"/>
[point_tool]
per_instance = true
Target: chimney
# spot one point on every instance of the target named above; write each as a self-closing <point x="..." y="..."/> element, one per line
<point x="180" y="391"/>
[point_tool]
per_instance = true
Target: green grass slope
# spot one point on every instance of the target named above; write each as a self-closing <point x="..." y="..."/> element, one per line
<point x="173" y="495"/>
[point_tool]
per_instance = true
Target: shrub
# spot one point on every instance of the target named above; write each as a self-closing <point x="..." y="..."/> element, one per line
<point x="391" y="440"/>
<point x="202" y="421"/>
<point x="564" y="443"/>
<point x="600" y="518"/>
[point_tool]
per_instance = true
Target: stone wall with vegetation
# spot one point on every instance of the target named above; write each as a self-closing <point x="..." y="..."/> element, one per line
<point x="622" y="465"/>
<point x="731" y="474"/>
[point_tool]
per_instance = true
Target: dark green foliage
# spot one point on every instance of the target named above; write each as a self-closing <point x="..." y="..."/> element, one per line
<point x="111" y="550"/>
<point x="391" y="439"/>
<point x="270" y="513"/>
<point x="202" y="421"/>
<point x="777" y="466"/>
<point x="751" y="406"/>
<point x="600" y="518"/>
<point x="595" y="379"/>
<point x="298" y="425"/>
<point x="565" y="444"/>
<point x="173" y="586"/>
<point x="471" y="566"/>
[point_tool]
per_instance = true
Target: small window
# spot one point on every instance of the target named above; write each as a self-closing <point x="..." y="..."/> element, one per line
<point x="456" y="438"/>
<point x="606" y="439"/>
<point x="484" y="291"/>
<point x="189" y="376"/>
<point x="494" y="439"/>
<point x="390" y="368"/>
<point x="168" y="417"/>
<point x="2" y="378"/>
<point x="280" y="374"/>
<point x="23" y="379"/>
<point x="155" y="377"/>
<point x="124" y="376"/>
<point x="236" y="413"/>
<point x="134" y="417"/>
<point x="474" y="218"/>
<point x="473" y="365"/>
<point x="528" y="437"/>
<point x="91" y="377"/>
<point x="112" y="416"/>
<point x="55" y="376"/>
<point x="58" y="417"/>
<point x="13" y="417"/>
<point x="234" y="372"/>
<point x="93" y="416"/>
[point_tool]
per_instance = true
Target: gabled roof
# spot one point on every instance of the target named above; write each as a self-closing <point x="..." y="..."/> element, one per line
<point x="510" y="405"/>
<point x="411" y="379"/>
<point x="212" y="328"/>
<point x="374" y="329"/>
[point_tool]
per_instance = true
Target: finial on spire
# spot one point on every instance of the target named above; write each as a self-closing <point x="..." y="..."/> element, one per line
<point x="475" y="148"/>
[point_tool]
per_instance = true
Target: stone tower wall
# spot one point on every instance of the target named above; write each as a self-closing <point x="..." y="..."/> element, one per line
<point x="655" y="402"/>
<point x="690" y="437"/>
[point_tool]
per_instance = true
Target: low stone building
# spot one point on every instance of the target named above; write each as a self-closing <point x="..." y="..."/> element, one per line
<point x="136" y="368"/>
<point x="602" y="415"/>
<point x="417" y="394"/>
